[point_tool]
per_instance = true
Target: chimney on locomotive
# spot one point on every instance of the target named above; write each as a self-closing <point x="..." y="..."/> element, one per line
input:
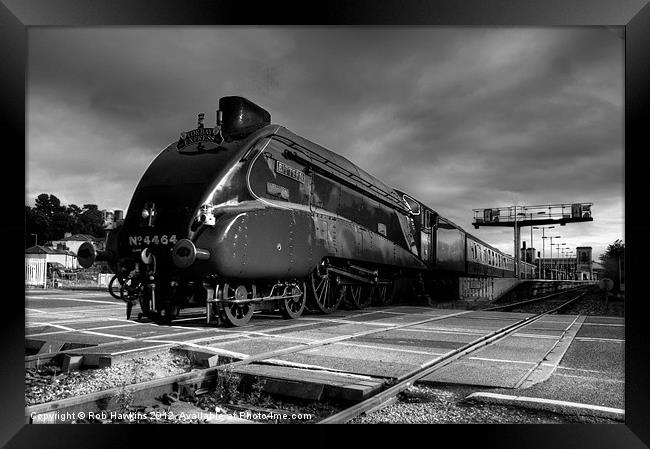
<point x="238" y="117"/>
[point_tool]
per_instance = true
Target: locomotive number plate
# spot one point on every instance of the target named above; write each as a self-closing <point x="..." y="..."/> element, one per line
<point x="289" y="172"/>
<point x="137" y="240"/>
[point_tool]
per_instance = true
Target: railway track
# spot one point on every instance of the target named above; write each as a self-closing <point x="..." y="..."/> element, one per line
<point x="389" y="395"/>
<point x="187" y="383"/>
<point x="555" y="297"/>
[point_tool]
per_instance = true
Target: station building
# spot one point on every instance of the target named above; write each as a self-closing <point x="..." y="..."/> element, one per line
<point x="579" y="267"/>
<point x="73" y="242"/>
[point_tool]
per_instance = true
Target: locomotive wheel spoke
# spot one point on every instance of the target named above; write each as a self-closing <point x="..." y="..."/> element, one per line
<point x="358" y="296"/>
<point x="293" y="307"/>
<point x="383" y="294"/>
<point x="325" y="295"/>
<point x="237" y="314"/>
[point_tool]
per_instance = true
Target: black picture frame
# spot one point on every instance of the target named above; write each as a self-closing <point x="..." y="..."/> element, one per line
<point x="17" y="16"/>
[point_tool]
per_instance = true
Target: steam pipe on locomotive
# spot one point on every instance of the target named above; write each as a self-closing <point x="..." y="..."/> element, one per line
<point x="248" y="216"/>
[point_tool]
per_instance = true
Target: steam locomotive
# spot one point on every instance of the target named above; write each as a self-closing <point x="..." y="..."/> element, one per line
<point x="247" y="216"/>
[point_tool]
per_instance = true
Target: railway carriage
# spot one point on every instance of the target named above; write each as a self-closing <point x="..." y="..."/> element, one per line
<point x="247" y="215"/>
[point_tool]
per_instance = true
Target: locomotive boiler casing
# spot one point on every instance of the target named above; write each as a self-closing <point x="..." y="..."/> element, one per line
<point x="283" y="229"/>
<point x="267" y="225"/>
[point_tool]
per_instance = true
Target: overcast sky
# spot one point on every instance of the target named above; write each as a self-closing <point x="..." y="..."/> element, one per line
<point x="461" y="118"/>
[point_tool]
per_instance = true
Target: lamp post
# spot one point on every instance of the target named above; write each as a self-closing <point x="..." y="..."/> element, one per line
<point x="517" y="265"/>
<point x="553" y="237"/>
<point x="532" y="246"/>
<point x="558" y="255"/>
<point x="543" y="270"/>
<point x="569" y="256"/>
<point x="573" y="264"/>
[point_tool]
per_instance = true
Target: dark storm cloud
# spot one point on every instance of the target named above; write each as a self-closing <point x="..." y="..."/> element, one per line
<point x="461" y="118"/>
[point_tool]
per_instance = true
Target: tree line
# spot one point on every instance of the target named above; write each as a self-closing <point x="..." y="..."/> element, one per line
<point x="50" y="220"/>
<point x="613" y="260"/>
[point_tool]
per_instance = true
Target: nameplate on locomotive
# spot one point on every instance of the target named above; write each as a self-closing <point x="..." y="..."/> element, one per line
<point x="200" y="139"/>
<point x="289" y="172"/>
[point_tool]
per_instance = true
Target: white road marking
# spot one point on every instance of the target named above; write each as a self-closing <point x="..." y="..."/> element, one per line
<point x="140" y="349"/>
<point x="541" y="336"/>
<point x="616" y="413"/>
<point x="186" y="319"/>
<point x="88" y="329"/>
<point x="216" y="351"/>
<point x="66" y="328"/>
<point x="65" y="298"/>
<point x="502" y="360"/>
<point x="582" y="370"/>
<point x="103" y="293"/>
<point x="86" y="320"/>
<point x="342" y="321"/>
<point x="613" y="340"/>
<point x="385" y="348"/>
<point x="437" y="331"/>
<point x="456" y="330"/>
<point x="37" y="311"/>
<point x="121" y="337"/>
<point x="617" y="381"/>
<point x="68" y="310"/>
<point x="288" y="364"/>
<point x="603" y="324"/>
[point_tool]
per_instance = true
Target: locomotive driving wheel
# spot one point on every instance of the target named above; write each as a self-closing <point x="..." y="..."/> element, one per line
<point x="358" y="296"/>
<point x="293" y="303"/>
<point x="237" y="314"/>
<point x="383" y="294"/>
<point x="325" y="293"/>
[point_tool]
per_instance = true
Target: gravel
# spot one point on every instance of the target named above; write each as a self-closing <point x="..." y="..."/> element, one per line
<point x="593" y="303"/>
<point x="428" y="405"/>
<point x="47" y="383"/>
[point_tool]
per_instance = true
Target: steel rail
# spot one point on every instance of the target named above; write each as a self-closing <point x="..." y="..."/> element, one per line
<point x="105" y="399"/>
<point x="528" y="301"/>
<point x="405" y="381"/>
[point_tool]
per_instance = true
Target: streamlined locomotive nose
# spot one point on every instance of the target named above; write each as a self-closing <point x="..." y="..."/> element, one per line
<point x="185" y="253"/>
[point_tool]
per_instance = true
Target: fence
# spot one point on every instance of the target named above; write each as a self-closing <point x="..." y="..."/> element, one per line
<point x="85" y="280"/>
<point x="36" y="276"/>
<point x="35" y="272"/>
